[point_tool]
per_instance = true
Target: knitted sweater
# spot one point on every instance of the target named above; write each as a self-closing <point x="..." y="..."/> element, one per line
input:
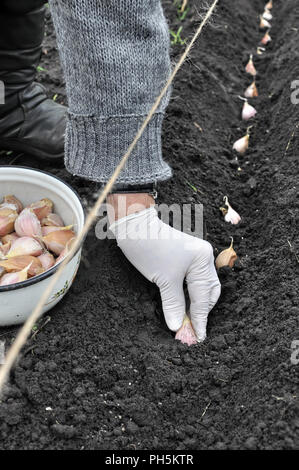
<point x="115" y="57"/>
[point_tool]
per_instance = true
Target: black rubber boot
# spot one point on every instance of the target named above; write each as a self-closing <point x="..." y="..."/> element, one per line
<point x="29" y="121"/>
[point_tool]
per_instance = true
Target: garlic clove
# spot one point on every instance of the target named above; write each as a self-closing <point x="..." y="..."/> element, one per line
<point x="8" y="279"/>
<point x="10" y="237"/>
<point x="186" y="333"/>
<point x="10" y="199"/>
<point x="28" y="225"/>
<point x="251" y="91"/>
<point x="20" y="262"/>
<point x="65" y="251"/>
<point x="6" y="205"/>
<point x="46" y="229"/>
<point x="42" y="208"/>
<point x="4" y="249"/>
<point x="226" y="257"/>
<point x="266" y="39"/>
<point x="14" y="278"/>
<point x="8" y="217"/>
<point x="25" y="246"/>
<point x="250" y="68"/>
<point x="47" y="260"/>
<point x="241" y="145"/>
<point x="260" y="50"/>
<point x="248" y="111"/>
<point x="269" y="5"/>
<point x="57" y="240"/>
<point x="53" y="219"/>
<point x="264" y="23"/>
<point x="49" y="229"/>
<point x="230" y="215"/>
<point x="267" y="15"/>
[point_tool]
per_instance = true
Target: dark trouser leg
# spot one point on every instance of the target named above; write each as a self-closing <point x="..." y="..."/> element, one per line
<point x="19" y="7"/>
<point x="29" y="122"/>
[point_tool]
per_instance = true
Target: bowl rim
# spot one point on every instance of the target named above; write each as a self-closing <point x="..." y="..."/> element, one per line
<point x="51" y="271"/>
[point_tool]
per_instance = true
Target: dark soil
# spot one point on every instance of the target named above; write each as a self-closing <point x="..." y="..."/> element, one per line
<point x="105" y="373"/>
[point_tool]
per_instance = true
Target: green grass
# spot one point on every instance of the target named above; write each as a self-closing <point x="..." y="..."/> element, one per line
<point x="39" y="68"/>
<point x="181" y="14"/>
<point x="196" y="190"/>
<point x="176" y="37"/>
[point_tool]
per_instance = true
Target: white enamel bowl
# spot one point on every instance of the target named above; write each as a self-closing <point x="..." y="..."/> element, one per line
<point x="18" y="300"/>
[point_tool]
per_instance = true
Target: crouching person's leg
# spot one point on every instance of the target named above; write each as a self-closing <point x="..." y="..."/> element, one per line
<point x="29" y="121"/>
<point x="115" y="56"/>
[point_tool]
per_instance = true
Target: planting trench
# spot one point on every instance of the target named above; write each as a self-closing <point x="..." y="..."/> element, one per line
<point x="105" y="373"/>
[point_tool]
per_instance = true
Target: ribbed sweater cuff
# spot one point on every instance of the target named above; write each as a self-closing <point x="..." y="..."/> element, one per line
<point x="95" y="146"/>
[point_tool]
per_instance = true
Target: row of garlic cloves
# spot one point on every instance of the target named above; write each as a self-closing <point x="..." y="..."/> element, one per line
<point x="228" y="256"/>
<point x="248" y="112"/>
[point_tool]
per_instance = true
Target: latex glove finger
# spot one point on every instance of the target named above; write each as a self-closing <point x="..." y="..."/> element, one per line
<point x="202" y="279"/>
<point x="214" y="296"/>
<point x="199" y="308"/>
<point x="173" y="303"/>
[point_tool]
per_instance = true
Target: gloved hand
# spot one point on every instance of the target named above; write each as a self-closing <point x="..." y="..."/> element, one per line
<point x="167" y="256"/>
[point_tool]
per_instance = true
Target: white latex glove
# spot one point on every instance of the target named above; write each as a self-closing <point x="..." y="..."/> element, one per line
<point x="167" y="256"/>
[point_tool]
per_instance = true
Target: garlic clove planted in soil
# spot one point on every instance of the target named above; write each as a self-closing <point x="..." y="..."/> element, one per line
<point x="53" y="219"/>
<point x="20" y="262"/>
<point x="250" y="68"/>
<point x="14" y="278"/>
<point x="25" y="246"/>
<point x="186" y="333"/>
<point x="264" y="23"/>
<point x="227" y="257"/>
<point x="266" y="39"/>
<point x="10" y="199"/>
<point x="7" y="220"/>
<point x="267" y="15"/>
<point x="42" y="208"/>
<point x="248" y="111"/>
<point x="241" y="145"/>
<point x="269" y="5"/>
<point x="47" y="260"/>
<point x="260" y="50"/>
<point x="251" y="91"/>
<point x="28" y="225"/>
<point x="56" y="241"/>
<point x="230" y="215"/>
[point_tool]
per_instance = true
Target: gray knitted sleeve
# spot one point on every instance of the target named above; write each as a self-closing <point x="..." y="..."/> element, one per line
<point x="115" y="57"/>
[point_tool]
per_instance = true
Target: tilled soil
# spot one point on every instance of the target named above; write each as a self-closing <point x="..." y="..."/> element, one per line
<point x="105" y="373"/>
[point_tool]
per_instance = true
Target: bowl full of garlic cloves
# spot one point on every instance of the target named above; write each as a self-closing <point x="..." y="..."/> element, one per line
<point x="40" y="217"/>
